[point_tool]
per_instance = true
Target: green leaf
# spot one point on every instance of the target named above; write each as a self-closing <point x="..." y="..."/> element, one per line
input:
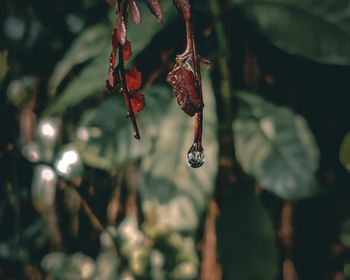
<point x="276" y="146"/>
<point x="344" y="152"/>
<point x="318" y="30"/>
<point x="3" y="64"/>
<point x="182" y="192"/>
<point x="91" y="80"/>
<point x="246" y="239"/>
<point x="106" y="136"/>
<point x="89" y="44"/>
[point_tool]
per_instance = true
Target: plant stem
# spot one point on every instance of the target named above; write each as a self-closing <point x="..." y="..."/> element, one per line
<point x="199" y="116"/>
<point x="126" y="94"/>
<point x="95" y="222"/>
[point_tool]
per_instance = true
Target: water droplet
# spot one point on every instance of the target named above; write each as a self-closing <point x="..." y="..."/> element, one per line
<point x="195" y="158"/>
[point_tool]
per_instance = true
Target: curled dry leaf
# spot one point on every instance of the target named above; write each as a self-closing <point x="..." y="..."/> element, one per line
<point x="134" y="11"/>
<point x="184" y="8"/>
<point x="156" y="9"/>
<point x="185" y="89"/>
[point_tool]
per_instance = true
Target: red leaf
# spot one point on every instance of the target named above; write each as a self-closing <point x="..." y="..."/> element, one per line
<point x="185" y="89"/>
<point x="137" y="102"/>
<point x="184" y="8"/>
<point x="127" y="50"/>
<point x="133" y="79"/>
<point x="156" y="9"/>
<point x="134" y="11"/>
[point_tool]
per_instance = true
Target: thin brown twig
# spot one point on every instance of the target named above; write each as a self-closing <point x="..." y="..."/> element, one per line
<point x="92" y="217"/>
<point x="114" y="205"/>
<point x="286" y="233"/>
<point x="95" y="222"/>
<point x="210" y="268"/>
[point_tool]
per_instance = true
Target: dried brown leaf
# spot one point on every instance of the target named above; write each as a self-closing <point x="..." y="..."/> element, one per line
<point x="134" y="11"/>
<point x="185" y="89"/>
<point x="121" y="28"/>
<point x="156" y="9"/>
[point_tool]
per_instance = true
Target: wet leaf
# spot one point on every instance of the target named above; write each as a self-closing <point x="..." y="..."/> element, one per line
<point x="276" y="146"/>
<point x="316" y="30"/>
<point x="185" y="89"/>
<point x="246" y="239"/>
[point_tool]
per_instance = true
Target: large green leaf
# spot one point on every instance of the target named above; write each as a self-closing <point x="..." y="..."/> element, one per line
<point x="275" y="146"/>
<point x="246" y="239"/>
<point x="105" y="135"/>
<point x="88" y="45"/>
<point x="318" y="30"/>
<point x="182" y="191"/>
<point x="91" y="80"/>
<point x="344" y="152"/>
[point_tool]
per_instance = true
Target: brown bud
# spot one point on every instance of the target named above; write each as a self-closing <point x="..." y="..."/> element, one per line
<point x="156" y="9"/>
<point x="121" y="28"/>
<point x="134" y="11"/>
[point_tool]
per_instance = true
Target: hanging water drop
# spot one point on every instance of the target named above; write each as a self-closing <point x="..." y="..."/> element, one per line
<point x="195" y="156"/>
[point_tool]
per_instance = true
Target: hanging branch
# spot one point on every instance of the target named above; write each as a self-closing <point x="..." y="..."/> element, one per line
<point x="185" y="79"/>
<point x="127" y="81"/>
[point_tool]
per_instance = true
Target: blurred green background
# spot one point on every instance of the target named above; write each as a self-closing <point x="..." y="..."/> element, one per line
<point x="80" y="198"/>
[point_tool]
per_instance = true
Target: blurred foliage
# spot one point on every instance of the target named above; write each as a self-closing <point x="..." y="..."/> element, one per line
<point x="315" y="30"/>
<point x="81" y="199"/>
<point x="276" y="147"/>
<point x="246" y="235"/>
<point x="344" y="152"/>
